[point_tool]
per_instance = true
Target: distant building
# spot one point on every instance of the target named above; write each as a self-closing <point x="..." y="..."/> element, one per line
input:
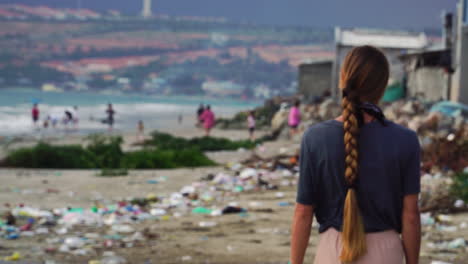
<point x="315" y="79"/>
<point x="48" y="87"/>
<point x="392" y="43"/>
<point x="147" y="10"/>
<point x="426" y="73"/>
<point x="222" y="88"/>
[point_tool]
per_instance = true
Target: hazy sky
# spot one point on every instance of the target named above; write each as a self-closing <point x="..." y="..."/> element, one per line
<point x="326" y="13"/>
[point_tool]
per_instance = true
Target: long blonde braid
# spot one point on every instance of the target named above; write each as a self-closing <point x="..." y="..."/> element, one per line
<point x="353" y="234"/>
<point x="364" y="77"/>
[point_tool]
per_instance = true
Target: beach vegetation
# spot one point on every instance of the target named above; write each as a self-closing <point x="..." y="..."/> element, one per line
<point x="460" y="186"/>
<point x="166" y="159"/>
<point x="164" y="141"/>
<point x="104" y="153"/>
<point x="113" y="173"/>
<point x="48" y="156"/>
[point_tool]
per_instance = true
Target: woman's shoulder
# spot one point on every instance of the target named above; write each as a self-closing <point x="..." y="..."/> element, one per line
<point x="323" y="129"/>
<point x="402" y="133"/>
<point x="397" y="129"/>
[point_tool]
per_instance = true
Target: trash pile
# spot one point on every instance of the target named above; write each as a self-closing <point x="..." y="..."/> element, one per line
<point x="102" y="228"/>
<point x="434" y="226"/>
<point x="443" y="136"/>
<point x="442" y="129"/>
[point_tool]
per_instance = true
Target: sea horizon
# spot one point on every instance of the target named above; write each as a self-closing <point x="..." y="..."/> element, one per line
<point x="156" y="111"/>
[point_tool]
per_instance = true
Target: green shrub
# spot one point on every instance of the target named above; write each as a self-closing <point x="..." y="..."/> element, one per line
<point x="192" y="158"/>
<point x="113" y="173"/>
<point x="169" y="142"/>
<point x="47" y="156"/>
<point x="166" y="159"/>
<point x="149" y="160"/>
<point x="105" y="153"/>
<point x="107" y="150"/>
<point x="460" y="186"/>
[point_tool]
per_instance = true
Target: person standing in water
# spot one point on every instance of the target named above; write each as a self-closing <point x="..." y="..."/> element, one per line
<point x="251" y="125"/>
<point x="294" y="119"/>
<point x="68" y="118"/>
<point x="200" y="111"/>
<point x="180" y="118"/>
<point x="110" y="117"/>
<point x="208" y="119"/>
<point x="76" y="118"/>
<point x="140" y="132"/>
<point x="35" y="114"/>
<point x="360" y="176"/>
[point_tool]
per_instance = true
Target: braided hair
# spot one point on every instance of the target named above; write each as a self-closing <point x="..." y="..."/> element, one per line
<point x="364" y="77"/>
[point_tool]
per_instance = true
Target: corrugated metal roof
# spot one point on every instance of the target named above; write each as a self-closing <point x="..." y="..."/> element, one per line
<point x="380" y="38"/>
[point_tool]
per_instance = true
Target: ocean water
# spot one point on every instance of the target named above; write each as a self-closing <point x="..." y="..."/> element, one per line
<point x="156" y="112"/>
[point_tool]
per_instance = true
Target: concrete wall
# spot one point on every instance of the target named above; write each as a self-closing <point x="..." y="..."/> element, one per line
<point x="427" y="82"/>
<point x="314" y="79"/>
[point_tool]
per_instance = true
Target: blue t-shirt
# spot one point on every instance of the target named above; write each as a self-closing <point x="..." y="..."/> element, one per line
<point x="389" y="169"/>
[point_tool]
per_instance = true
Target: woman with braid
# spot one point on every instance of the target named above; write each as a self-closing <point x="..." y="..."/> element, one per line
<point x="359" y="176"/>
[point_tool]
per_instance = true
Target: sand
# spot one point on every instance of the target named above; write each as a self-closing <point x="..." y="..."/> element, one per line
<point x="261" y="236"/>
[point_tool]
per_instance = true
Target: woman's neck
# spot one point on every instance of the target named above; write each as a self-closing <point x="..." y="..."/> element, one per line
<point x="367" y="118"/>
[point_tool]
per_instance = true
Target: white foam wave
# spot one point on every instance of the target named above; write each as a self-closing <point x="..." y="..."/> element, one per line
<point x="16" y="120"/>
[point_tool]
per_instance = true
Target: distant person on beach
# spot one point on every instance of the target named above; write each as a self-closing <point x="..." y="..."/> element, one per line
<point x="200" y="111"/>
<point x="68" y="118"/>
<point x="180" y="119"/>
<point x="140" y="132"/>
<point x="76" y="118"/>
<point x="360" y="176"/>
<point x="251" y="125"/>
<point x="45" y="124"/>
<point x="110" y="116"/>
<point x="208" y="119"/>
<point x="35" y="114"/>
<point x="294" y="119"/>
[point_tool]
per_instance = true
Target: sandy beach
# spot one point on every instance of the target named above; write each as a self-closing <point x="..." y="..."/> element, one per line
<point x="261" y="235"/>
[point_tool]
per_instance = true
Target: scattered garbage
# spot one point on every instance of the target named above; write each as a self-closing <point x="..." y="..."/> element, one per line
<point x="233" y="210"/>
<point x="123" y="229"/>
<point x="285" y="204"/>
<point x="186" y="258"/>
<point x="109" y="225"/>
<point x="14" y="257"/>
<point x="207" y="224"/>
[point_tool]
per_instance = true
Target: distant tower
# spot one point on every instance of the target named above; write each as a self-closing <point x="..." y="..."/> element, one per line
<point x="146" y="12"/>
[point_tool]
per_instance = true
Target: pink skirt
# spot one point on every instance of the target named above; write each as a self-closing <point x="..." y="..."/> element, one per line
<point x="382" y="247"/>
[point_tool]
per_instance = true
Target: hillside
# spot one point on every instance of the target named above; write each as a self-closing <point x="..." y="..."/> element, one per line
<point x="162" y="55"/>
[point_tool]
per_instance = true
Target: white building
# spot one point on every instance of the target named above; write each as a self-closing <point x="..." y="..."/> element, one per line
<point x="392" y="43"/>
<point x="147" y="10"/>
<point x="222" y="88"/>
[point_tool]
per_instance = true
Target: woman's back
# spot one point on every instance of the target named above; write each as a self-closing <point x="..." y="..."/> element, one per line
<point x="388" y="169"/>
<point x="360" y="176"/>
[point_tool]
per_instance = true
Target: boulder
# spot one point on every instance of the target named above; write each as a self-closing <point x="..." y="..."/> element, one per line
<point x="329" y="109"/>
<point x="279" y="120"/>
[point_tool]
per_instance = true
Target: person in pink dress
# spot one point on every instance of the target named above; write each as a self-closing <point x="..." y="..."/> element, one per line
<point x="294" y="119"/>
<point x="208" y="119"/>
